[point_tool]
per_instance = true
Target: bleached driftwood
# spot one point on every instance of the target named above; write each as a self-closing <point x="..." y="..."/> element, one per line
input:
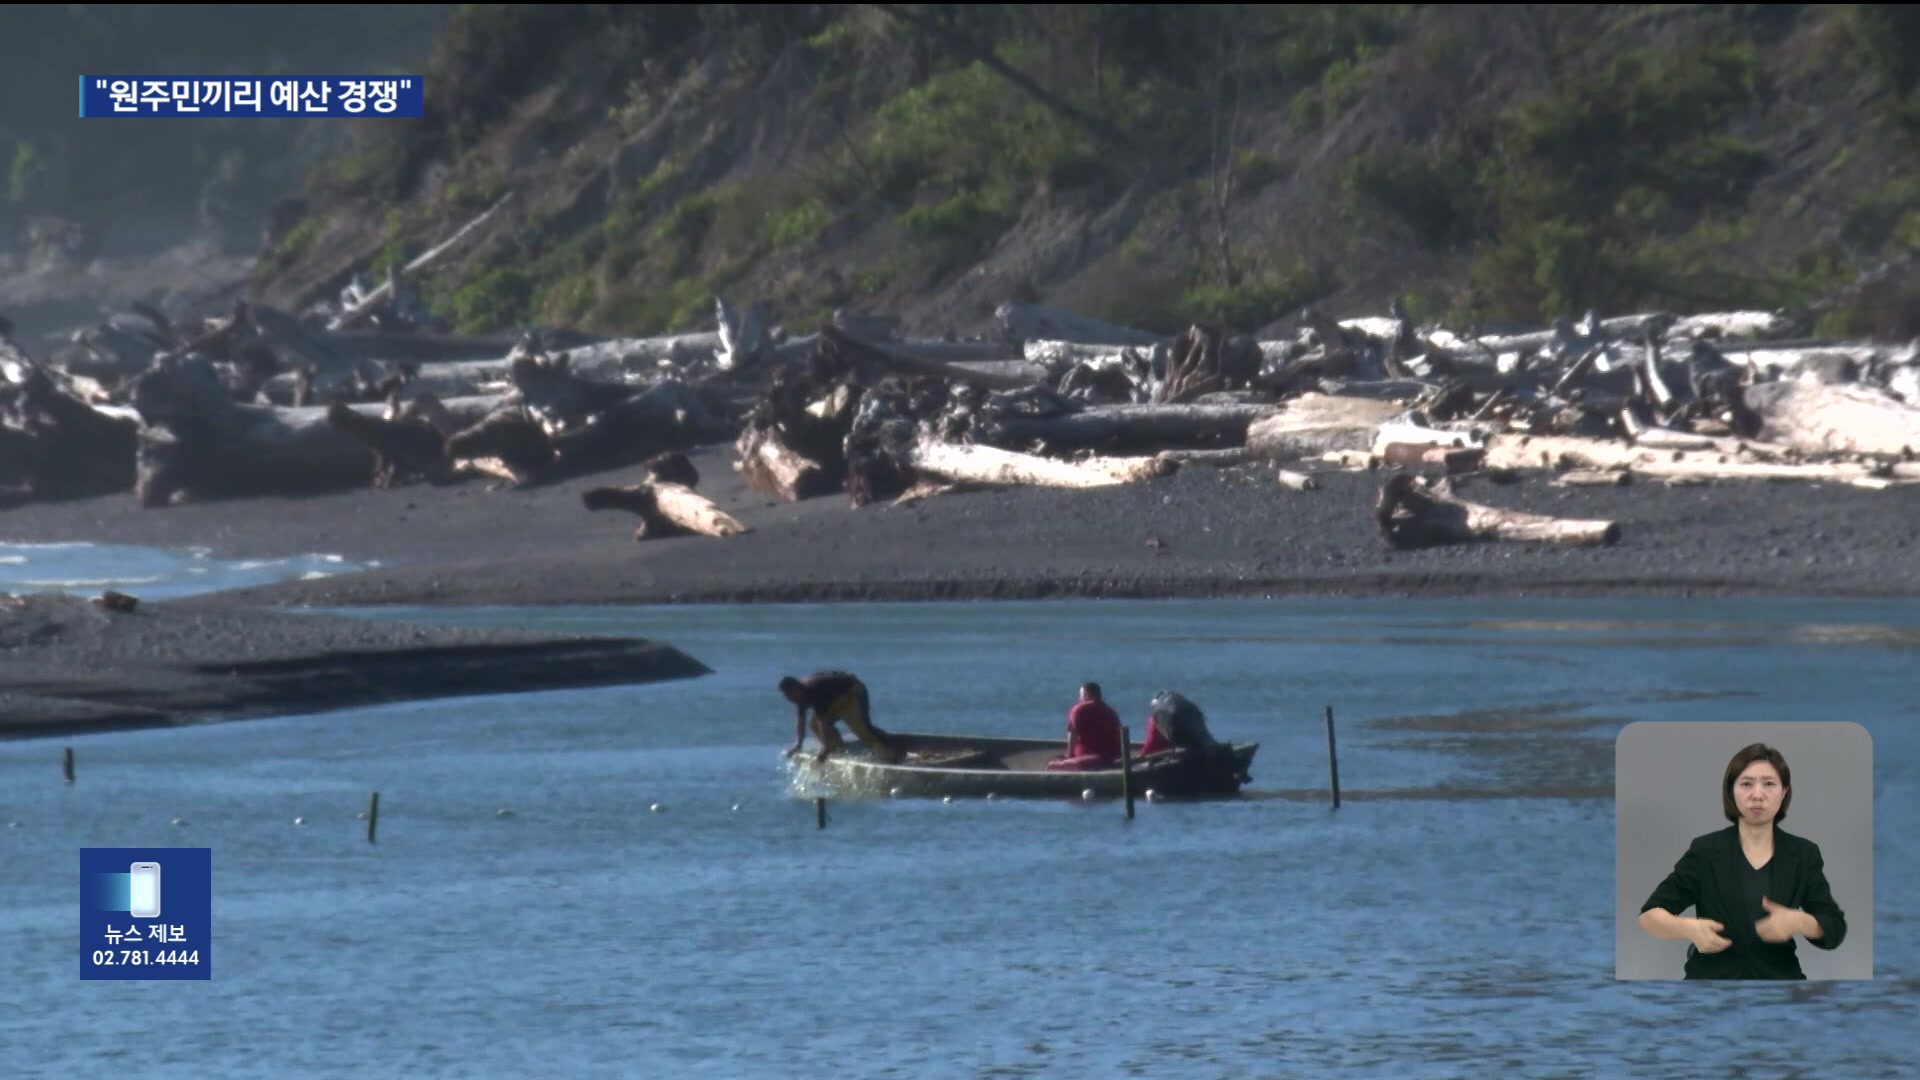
<point x="1350" y="460"/>
<point x="1411" y="432"/>
<point x="988" y="466"/>
<point x="1315" y="423"/>
<point x="1822" y="418"/>
<point x="890" y="357"/>
<point x="923" y="490"/>
<point x="1830" y="363"/>
<point x="61" y="445"/>
<point x="743" y="334"/>
<point x="1566" y="453"/>
<point x="643" y="354"/>
<point x="665" y="509"/>
<point x="508" y="443"/>
<point x="773" y="468"/>
<point x="1025" y="322"/>
<point x="373" y="300"/>
<point x="1454" y="459"/>
<point x="1064" y="354"/>
<point x="1410" y="515"/>
<point x="1733" y="324"/>
<point x="1594" y="478"/>
<point x="198" y="443"/>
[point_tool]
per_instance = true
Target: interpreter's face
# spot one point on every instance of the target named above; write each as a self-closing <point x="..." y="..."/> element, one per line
<point x="1757" y="792"/>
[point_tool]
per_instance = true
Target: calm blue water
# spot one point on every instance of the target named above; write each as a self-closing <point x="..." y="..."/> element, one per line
<point x="725" y="936"/>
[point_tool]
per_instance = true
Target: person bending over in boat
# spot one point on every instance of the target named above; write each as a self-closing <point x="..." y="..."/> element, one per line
<point x="1093" y="733"/>
<point x="1174" y="723"/>
<point x="834" y="696"/>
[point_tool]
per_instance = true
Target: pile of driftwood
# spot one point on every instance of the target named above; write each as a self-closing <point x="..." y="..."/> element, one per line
<point x="198" y="419"/>
<point x="256" y="401"/>
<point x="1062" y="400"/>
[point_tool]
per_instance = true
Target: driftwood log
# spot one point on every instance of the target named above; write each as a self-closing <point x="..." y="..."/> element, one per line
<point x="1024" y="322"/>
<point x="1121" y="428"/>
<point x="1412" y="516"/>
<point x="1730" y="460"/>
<point x="899" y="359"/>
<point x="1202" y="360"/>
<point x="1313" y="424"/>
<point x="1820" y="418"/>
<point x="1449" y="458"/>
<point x="509" y="444"/>
<point x="197" y="443"/>
<point x="665" y="416"/>
<point x="991" y="467"/>
<point x="773" y="468"/>
<point x="793" y="444"/>
<point x="404" y="448"/>
<point x="665" y="509"/>
<point x="594" y="425"/>
<point x="384" y="294"/>
<point x="60" y="447"/>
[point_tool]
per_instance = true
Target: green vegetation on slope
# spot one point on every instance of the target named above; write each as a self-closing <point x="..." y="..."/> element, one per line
<point x="1541" y="161"/>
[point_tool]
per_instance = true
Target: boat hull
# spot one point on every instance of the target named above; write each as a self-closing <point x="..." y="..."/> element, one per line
<point x="953" y="766"/>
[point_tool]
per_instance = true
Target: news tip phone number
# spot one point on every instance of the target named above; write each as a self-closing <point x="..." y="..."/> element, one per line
<point x="221" y="96"/>
<point x="142" y="957"/>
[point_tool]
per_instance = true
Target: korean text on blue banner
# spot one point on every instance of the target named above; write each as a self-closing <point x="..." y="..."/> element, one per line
<point x="399" y="96"/>
<point x="146" y="913"/>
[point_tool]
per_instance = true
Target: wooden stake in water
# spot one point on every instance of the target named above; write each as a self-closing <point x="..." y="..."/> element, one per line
<point x="1126" y="769"/>
<point x="66" y="764"/>
<point x="820" y="812"/>
<point x="1333" y="759"/>
<point x="373" y="815"/>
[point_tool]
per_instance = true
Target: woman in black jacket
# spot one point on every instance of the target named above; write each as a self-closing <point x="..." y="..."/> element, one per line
<point x="1752" y="886"/>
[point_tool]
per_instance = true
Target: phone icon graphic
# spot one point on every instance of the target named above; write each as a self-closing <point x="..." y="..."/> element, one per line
<point x="145" y="890"/>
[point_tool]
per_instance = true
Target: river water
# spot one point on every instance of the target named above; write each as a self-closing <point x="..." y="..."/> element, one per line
<point x="583" y="934"/>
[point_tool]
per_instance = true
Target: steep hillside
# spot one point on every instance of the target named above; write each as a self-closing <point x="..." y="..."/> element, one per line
<point x="1153" y="164"/>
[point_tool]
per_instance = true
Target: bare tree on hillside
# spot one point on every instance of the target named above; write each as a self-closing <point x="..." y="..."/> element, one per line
<point x="1223" y="141"/>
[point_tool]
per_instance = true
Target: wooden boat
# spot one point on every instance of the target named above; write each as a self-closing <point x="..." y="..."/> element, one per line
<point x="964" y="766"/>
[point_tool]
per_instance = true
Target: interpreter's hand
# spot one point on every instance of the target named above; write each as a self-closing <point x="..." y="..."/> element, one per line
<point x="1779" y="924"/>
<point x="1705" y="935"/>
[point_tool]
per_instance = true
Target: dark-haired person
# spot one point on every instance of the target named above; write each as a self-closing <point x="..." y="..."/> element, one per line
<point x="834" y="696"/>
<point x="1752" y="885"/>
<point x="1093" y="734"/>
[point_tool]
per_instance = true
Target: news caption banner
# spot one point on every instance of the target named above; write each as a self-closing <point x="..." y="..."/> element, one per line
<point x="397" y="96"/>
<point x="146" y="913"/>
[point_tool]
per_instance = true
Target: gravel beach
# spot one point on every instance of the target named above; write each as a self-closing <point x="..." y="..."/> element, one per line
<point x="1204" y="531"/>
